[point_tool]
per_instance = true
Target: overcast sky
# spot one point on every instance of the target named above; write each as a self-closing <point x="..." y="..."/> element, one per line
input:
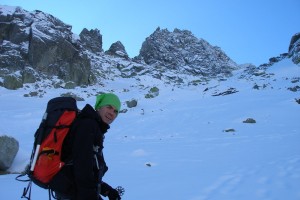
<point x="248" y="31"/>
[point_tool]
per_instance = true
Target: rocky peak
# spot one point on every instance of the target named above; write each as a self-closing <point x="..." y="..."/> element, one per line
<point x="181" y="50"/>
<point x="91" y="40"/>
<point x="117" y="49"/>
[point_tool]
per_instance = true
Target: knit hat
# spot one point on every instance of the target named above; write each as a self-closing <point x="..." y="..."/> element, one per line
<point x="107" y="99"/>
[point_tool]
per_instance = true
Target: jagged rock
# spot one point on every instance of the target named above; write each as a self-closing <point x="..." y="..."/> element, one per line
<point x="294" y="48"/>
<point x="181" y="50"/>
<point x="54" y="53"/>
<point x="9" y="148"/>
<point x="117" y="49"/>
<point x="91" y="40"/>
<point x="42" y="42"/>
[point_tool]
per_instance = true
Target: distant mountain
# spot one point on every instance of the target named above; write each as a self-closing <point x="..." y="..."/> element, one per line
<point x="181" y="50"/>
<point x="36" y="47"/>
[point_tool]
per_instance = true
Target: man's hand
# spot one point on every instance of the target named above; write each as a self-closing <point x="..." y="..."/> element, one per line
<point x="113" y="194"/>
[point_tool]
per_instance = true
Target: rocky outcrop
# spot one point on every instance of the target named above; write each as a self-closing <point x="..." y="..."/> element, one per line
<point x="294" y="48"/>
<point x="91" y="40"/>
<point x="42" y="42"/>
<point x="9" y="148"/>
<point x="117" y="49"/>
<point x="181" y="50"/>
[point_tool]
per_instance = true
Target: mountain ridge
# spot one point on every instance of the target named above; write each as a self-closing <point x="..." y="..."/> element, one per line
<point x="36" y="46"/>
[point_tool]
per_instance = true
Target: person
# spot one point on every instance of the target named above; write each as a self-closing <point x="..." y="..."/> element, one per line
<point x="81" y="176"/>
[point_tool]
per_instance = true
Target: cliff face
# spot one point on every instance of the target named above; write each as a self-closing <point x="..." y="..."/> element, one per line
<point x="35" y="42"/>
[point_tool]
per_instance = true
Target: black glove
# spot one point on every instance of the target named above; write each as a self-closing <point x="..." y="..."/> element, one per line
<point x="111" y="193"/>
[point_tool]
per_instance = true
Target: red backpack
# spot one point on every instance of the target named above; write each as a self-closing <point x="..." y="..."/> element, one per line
<point x="45" y="160"/>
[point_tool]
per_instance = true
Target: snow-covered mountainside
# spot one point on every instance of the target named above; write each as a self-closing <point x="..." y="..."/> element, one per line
<point x="36" y="46"/>
<point x="40" y="49"/>
<point x="236" y="138"/>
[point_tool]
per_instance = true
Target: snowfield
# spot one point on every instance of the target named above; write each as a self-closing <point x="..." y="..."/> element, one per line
<point x="184" y="144"/>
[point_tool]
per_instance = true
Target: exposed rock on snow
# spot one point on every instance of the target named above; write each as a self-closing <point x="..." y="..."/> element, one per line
<point x="294" y="48"/>
<point x="91" y="40"/>
<point x="181" y="50"/>
<point x="9" y="148"/>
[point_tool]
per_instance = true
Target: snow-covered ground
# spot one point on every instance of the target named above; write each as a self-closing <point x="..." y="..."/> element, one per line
<point x="182" y="134"/>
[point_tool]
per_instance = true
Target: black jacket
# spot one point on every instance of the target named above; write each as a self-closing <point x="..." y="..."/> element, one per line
<point x="82" y="153"/>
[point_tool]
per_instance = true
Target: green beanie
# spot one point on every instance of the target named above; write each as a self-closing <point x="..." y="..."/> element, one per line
<point x="107" y="99"/>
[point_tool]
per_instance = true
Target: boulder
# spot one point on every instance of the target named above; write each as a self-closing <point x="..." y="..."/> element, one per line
<point x="12" y="82"/>
<point x="132" y="103"/>
<point x="8" y="151"/>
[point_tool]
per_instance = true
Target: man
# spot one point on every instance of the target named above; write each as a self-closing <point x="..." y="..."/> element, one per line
<point x="81" y="177"/>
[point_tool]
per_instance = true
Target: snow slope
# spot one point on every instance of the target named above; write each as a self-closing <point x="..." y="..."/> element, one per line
<point x="182" y="134"/>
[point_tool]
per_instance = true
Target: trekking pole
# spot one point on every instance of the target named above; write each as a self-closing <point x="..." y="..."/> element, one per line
<point x="39" y="140"/>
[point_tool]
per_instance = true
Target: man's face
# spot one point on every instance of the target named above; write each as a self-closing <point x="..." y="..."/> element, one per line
<point x="108" y="114"/>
